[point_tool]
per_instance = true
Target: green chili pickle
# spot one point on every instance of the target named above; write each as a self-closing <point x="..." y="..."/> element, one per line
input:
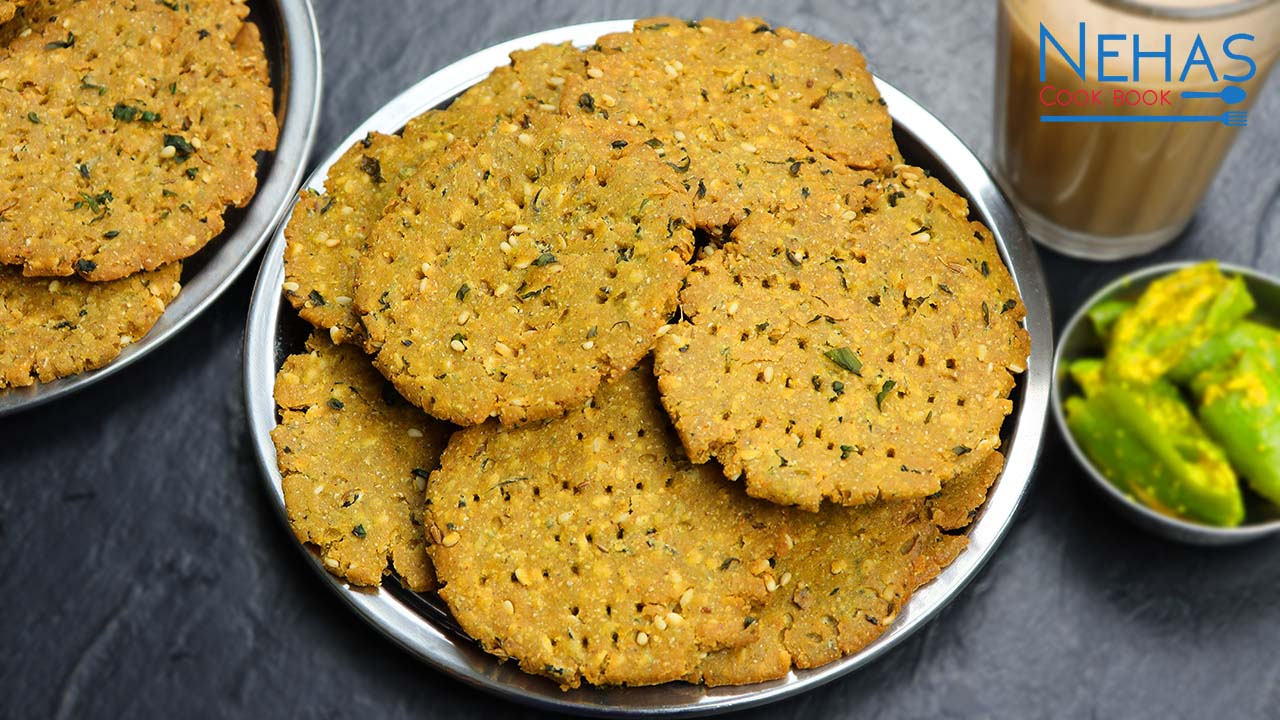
<point x="1148" y="443"/>
<point x="1240" y="408"/>
<point x="1175" y="315"/>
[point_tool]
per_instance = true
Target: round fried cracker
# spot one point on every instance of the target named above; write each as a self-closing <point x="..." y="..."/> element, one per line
<point x="129" y="127"/>
<point x="751" y="114"/>
<point x="530" y="84"/>
<point x="354" y="460"/>
<point x="829" y="352"/>
<point x="327" y="230"/>
<point x="587" y="547"/>
<point x="847" y="577"/>
<point x="556" y="545"/>
<point x="55" y="328"/>
<point x="513" y="277"/>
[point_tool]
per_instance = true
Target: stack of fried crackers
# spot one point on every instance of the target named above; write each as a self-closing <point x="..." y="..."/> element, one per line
<point x="654" y="359"/>
<point x="127" y="128"/>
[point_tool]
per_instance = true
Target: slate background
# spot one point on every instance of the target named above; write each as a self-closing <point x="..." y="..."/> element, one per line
<point x="143" y="574"/>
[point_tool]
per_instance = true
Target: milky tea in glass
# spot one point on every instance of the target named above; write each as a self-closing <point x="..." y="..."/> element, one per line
<point x="1118" y="185"/>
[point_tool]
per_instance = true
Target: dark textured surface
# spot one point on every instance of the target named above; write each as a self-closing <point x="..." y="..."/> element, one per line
<point x="145" y="575"/>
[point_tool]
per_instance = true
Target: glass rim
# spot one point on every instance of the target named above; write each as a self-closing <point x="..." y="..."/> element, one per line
<point x="1147" y="8"/>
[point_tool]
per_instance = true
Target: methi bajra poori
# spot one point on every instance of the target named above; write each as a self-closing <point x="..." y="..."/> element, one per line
<point x="728" y="375"/>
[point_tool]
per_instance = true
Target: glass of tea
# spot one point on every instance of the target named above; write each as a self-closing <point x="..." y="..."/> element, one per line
<point x="1112" y="116"/>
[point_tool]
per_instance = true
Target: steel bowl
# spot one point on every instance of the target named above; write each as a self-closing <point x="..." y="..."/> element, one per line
<point x="421" y="624"/>
<point x="1079" y="340"/>
<point x="292" y="43"/>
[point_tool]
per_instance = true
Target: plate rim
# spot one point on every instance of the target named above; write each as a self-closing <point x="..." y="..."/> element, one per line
<point x="464" y="661"/>
<point x="233" y="253"/>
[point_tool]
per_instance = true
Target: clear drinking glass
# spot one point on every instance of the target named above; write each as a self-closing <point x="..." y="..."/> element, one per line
<point x="1109" y="176"/>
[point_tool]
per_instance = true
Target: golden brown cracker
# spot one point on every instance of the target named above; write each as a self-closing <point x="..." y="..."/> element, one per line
<point x="512" y="279"/>
<point x="530" y="84"/>
<point x="751" y="113"/>
<point x="52" y="328"/>
<point x="836" y="353"/>
<point x="327" y="230"/>
<point x="128" y="128"/>
<point x="354" y="460"/>
<point x="588" y="549"/>
<point x="849" y="574"/>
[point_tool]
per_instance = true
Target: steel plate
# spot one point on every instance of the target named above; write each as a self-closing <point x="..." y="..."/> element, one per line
<point x="421" y="624"/>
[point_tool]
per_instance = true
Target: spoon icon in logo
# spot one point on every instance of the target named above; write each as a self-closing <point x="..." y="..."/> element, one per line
<point x="1231" y="94"/>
